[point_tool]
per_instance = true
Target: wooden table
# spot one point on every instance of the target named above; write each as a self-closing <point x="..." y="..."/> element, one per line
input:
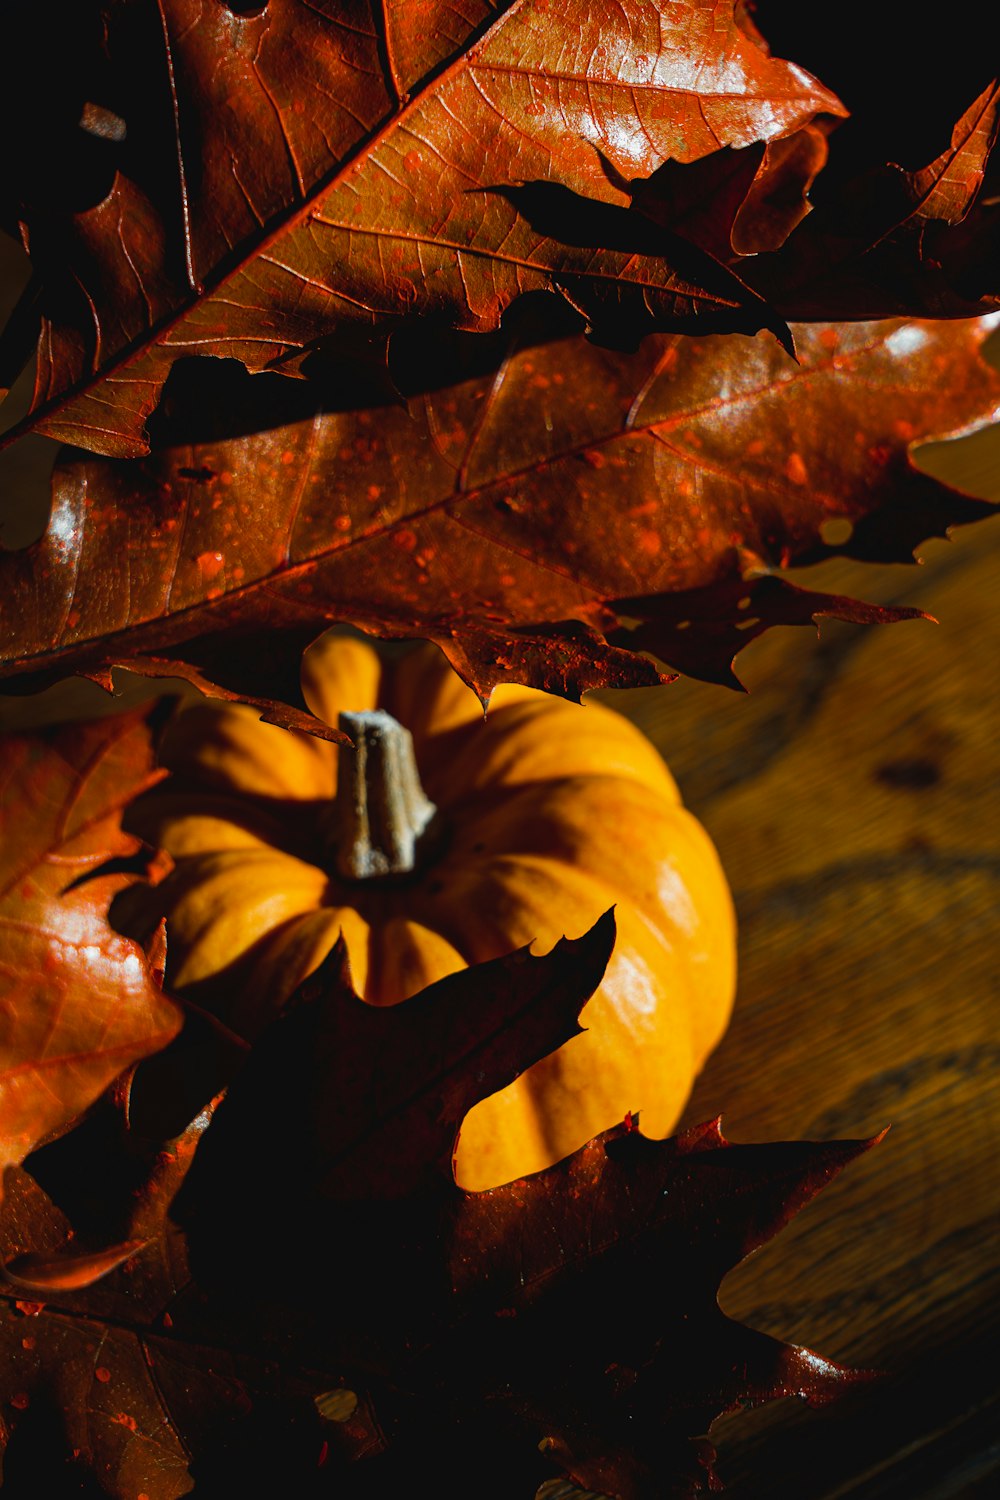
<point x="853" y="799"/>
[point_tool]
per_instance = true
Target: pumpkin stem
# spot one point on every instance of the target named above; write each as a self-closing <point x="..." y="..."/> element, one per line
<point x="380" y="809"/>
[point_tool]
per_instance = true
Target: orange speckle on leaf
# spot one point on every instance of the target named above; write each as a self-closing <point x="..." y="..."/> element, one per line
<point x="342" y="523"/>
<point x="210" y="564"/>
<point x="795" y="469"/>
<point x="21" y="1400"/>
<point x="650" y="542"/>
<point x="103" y="1374"/>
<point x="406" y="539"/>
<point x="29" y="1309"/>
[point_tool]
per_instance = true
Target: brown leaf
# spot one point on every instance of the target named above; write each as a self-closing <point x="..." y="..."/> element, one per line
<point x="79" y="1002"/>
<point x="342" y="1341"/>
<point x="521" y="519"/>
<point x="405" y="1081"/>
<point x="778" y="199"/>
<point x="138" y="1372"/>
<point x="703" y="630"/>
<point x="733" y="203"/>
<point x="36" y="1271"/>
<point x="92" y="1378"/>
<point x="579" y="1304"/>
<point x="660" y="1229"/>
<point x="892" y="242"/>
<point x="294" y="169"/>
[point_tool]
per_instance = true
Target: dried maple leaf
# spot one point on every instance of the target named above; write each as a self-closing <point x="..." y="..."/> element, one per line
<point x="357" y="1319"/>
<point x="287" y="170"/>
<point x="884" y="241"/>
<point x="563" y="1299"/>
<point x="893" y="242"/>
<point x="778" y="199"/>
<point x="136" y="1372"/>
<point x="730" y="204"/>
<point x="78" y="1002"/>
<point x="522" y="519"/>
<point x="90" y="1370"/>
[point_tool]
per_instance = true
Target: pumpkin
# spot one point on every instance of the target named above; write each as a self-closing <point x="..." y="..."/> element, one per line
<point x="547" y="813"/>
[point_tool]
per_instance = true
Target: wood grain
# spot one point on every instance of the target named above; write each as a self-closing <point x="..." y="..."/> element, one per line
<point x="852" y="797"/>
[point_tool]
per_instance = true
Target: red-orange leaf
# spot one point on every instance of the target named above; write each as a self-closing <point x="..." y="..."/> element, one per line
<point x="288" y="170"/>
<point x="733" y="203"/>
<point x="357" y="1322"/>
<point x="78" y="1003"/>
<point x="891" y="242"/>
<point x="521" y="519"/>
<point x="571" y="1313"/>
<point x="46" y="1274"/>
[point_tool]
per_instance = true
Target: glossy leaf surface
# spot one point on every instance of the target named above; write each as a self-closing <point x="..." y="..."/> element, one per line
<point x="892" y="241"/>
<point x="882" y="240"/>
<point x="521" y="519"/>
<point x="78" y="1002"/>
<point x="292" y="169"/>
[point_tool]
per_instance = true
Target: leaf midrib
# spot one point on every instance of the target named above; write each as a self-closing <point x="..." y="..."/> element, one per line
<point x="286" y="222"/>
<point x="282" y="224"/>
<point x="283" y="574"/>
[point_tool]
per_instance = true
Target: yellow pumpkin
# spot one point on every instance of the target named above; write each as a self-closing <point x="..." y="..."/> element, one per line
<point x="548" y="812"/>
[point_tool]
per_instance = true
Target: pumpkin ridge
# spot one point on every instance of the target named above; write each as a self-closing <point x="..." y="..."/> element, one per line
<point x="385" y="939"/>
<point x="550" y="813"/>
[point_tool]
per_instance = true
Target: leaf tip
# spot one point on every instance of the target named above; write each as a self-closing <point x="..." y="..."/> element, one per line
<point x="334" y="973"/>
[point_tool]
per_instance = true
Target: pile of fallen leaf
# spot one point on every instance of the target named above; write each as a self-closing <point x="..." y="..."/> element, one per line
<point x="601" y="318"/>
